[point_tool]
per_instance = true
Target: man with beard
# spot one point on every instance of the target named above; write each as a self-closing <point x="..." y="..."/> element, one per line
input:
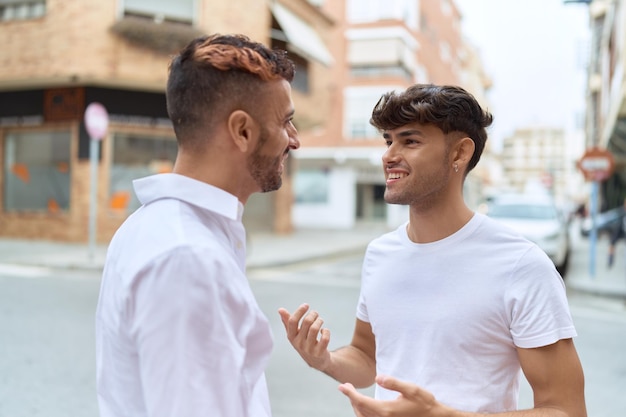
<point x="453" y="306"/>
<point x="178" y="330"/>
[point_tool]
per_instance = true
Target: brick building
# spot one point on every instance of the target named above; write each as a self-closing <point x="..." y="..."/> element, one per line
<point x="61" y="55"/>
<point x="384" y="46"/>
<point x="58" y="56"/>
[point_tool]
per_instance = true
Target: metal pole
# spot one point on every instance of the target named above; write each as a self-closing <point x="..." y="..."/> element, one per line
<point x="593" y="235"/>
<point x="94" y="149"/>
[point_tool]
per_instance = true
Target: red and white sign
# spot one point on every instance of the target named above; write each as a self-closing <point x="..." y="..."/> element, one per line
<point x="596" y="164"/>
<point x="96" y="120"/>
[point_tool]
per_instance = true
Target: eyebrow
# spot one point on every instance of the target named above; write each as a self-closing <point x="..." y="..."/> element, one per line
<point x="404" y="133"/>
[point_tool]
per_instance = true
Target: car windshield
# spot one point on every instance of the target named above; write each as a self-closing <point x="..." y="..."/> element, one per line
<point x="523" y="211"/>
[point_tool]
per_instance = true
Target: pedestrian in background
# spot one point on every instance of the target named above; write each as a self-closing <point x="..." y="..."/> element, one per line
<point x="178" y="330"/>
<point x="453" y="306"/>
<point x="617" y="233"/>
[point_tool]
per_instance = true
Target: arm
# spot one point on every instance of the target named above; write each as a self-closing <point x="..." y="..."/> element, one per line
<point x="355" y="363"/>
<point x="554" y="373"/>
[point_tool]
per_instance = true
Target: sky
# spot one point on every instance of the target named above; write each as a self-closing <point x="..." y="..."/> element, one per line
<point x="535" y="53"/>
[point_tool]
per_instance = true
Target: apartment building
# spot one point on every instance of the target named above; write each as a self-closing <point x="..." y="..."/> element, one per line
<point x="606" y="92"/>
<point x="537" y="158"/>
<point x="58" y="56"/>
<point x="384" y="45"/>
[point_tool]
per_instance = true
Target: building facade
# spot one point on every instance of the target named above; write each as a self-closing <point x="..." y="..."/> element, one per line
<point x="58" y="56"/>
<point x="382" y="46"/>
<point x="536" y="158"/>
<point x="606" y="93"/>
<point x="61" y="55"/>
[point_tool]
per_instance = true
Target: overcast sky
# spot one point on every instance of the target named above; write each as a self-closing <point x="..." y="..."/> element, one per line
<point x="535" y="52"/>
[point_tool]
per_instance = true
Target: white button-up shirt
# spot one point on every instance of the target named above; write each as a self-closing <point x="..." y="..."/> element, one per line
<point x="178" y="330"/>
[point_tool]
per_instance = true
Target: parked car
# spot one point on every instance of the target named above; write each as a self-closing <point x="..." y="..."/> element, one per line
<point x="539" y="220"/>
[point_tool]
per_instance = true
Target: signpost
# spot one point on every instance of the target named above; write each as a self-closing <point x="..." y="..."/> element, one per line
<point x="596" y="165"/>
<point x="97" y="124"/>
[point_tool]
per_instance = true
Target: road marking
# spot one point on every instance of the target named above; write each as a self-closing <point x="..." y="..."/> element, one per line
<point x="288" y="277"/>
<point x="24" y="271"/>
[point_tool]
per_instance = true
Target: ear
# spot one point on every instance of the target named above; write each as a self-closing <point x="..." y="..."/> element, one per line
<point x="243" y="129"/>
<point x="464" y="150"/>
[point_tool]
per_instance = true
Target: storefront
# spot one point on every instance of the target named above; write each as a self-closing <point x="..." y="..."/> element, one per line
<point x="45" y="166"/>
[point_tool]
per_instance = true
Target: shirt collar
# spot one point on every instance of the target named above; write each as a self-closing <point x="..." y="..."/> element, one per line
<point x="189" y="190"/>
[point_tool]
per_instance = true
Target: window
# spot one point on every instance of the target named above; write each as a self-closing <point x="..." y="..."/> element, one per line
<point x="359" y="103"/>
<point x="161" y="10"/>
<point x="301" y="77"/>
<point x="37" y="171"/>
<point x="136" y="156"/>
<point x="379" y="52"/>
<point x="21" y="9"/>
<point x="311" y="186"/>
<point x="374" y="10"/>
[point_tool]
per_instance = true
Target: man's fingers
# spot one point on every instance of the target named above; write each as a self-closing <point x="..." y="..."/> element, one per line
<point x="405" y="388"/>
<point x="284" y="316"/>
<point x="324" y="340"/>
<point x="292" y="321"/>
<point x="315" y="326"/>
<point x="363" y="406"/>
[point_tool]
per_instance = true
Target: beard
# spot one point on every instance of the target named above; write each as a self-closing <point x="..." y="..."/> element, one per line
<point x="265" y="170"/>
<point x="422" y="192"/>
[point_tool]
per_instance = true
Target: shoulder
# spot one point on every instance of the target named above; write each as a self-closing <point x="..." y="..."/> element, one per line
<point x="387" y="242"/>
<point x="183" y="239"/>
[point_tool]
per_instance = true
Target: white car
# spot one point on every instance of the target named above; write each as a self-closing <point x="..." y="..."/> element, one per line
<point x="539" y="220"/>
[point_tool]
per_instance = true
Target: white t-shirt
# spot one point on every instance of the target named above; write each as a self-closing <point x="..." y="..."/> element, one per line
<point x="448" y="315"/>
<point x="178" y="330"/>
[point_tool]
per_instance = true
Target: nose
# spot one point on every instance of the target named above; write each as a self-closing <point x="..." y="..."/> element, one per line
<point x="294" y="142"/>
<point x="390" y="155"/>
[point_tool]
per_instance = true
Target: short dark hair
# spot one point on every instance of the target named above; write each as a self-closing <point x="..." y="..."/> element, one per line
<point x="215" y="75"/>
<point x="450" y="108"/>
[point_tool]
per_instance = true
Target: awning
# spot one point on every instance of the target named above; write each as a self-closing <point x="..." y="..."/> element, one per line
<point x="301" y="38"/>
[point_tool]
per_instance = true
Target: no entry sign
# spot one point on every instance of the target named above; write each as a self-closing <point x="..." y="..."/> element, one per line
<point x="596" y="164"/>
<point x="96" y="121"/>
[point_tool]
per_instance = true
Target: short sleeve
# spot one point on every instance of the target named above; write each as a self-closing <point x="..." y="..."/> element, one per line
<point x="537" y="303"/>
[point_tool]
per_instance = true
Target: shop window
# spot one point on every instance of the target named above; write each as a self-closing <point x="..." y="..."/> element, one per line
<point x="136" y="156"/>
<point x="311" y="186"/>
<point x="21" y="9"/>
<point x="37" y="171"/>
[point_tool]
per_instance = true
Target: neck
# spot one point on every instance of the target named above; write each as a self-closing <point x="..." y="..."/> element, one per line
<point x="437" y="223"/>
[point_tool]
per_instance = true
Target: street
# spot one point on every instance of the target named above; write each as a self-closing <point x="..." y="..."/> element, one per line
<point x="47" y="345"/>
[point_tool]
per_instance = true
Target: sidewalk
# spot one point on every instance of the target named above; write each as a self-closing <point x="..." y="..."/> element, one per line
<point x="599" y="280"/>
<point x="266" y="250"/>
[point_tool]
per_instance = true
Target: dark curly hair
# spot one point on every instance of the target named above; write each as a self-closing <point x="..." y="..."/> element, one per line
<point x="450" y="108"/>
<point x="215" y="75"/>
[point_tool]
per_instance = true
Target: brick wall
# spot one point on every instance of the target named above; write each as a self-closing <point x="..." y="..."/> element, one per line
<point x="72" y="45"/>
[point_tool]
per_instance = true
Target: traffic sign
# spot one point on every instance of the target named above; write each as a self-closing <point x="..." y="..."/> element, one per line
<point x="596" y="164"/>
<point x="96" y="120"/>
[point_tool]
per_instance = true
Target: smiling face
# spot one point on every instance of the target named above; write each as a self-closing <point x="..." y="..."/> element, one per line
<point x="277" y="137"/>
<point x="416" y="165"/>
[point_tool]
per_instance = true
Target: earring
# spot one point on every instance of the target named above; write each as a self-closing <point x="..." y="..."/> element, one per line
<point x="456" y="167"/>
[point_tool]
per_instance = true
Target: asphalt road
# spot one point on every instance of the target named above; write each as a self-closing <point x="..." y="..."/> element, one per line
<point x="47" y="341"/>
